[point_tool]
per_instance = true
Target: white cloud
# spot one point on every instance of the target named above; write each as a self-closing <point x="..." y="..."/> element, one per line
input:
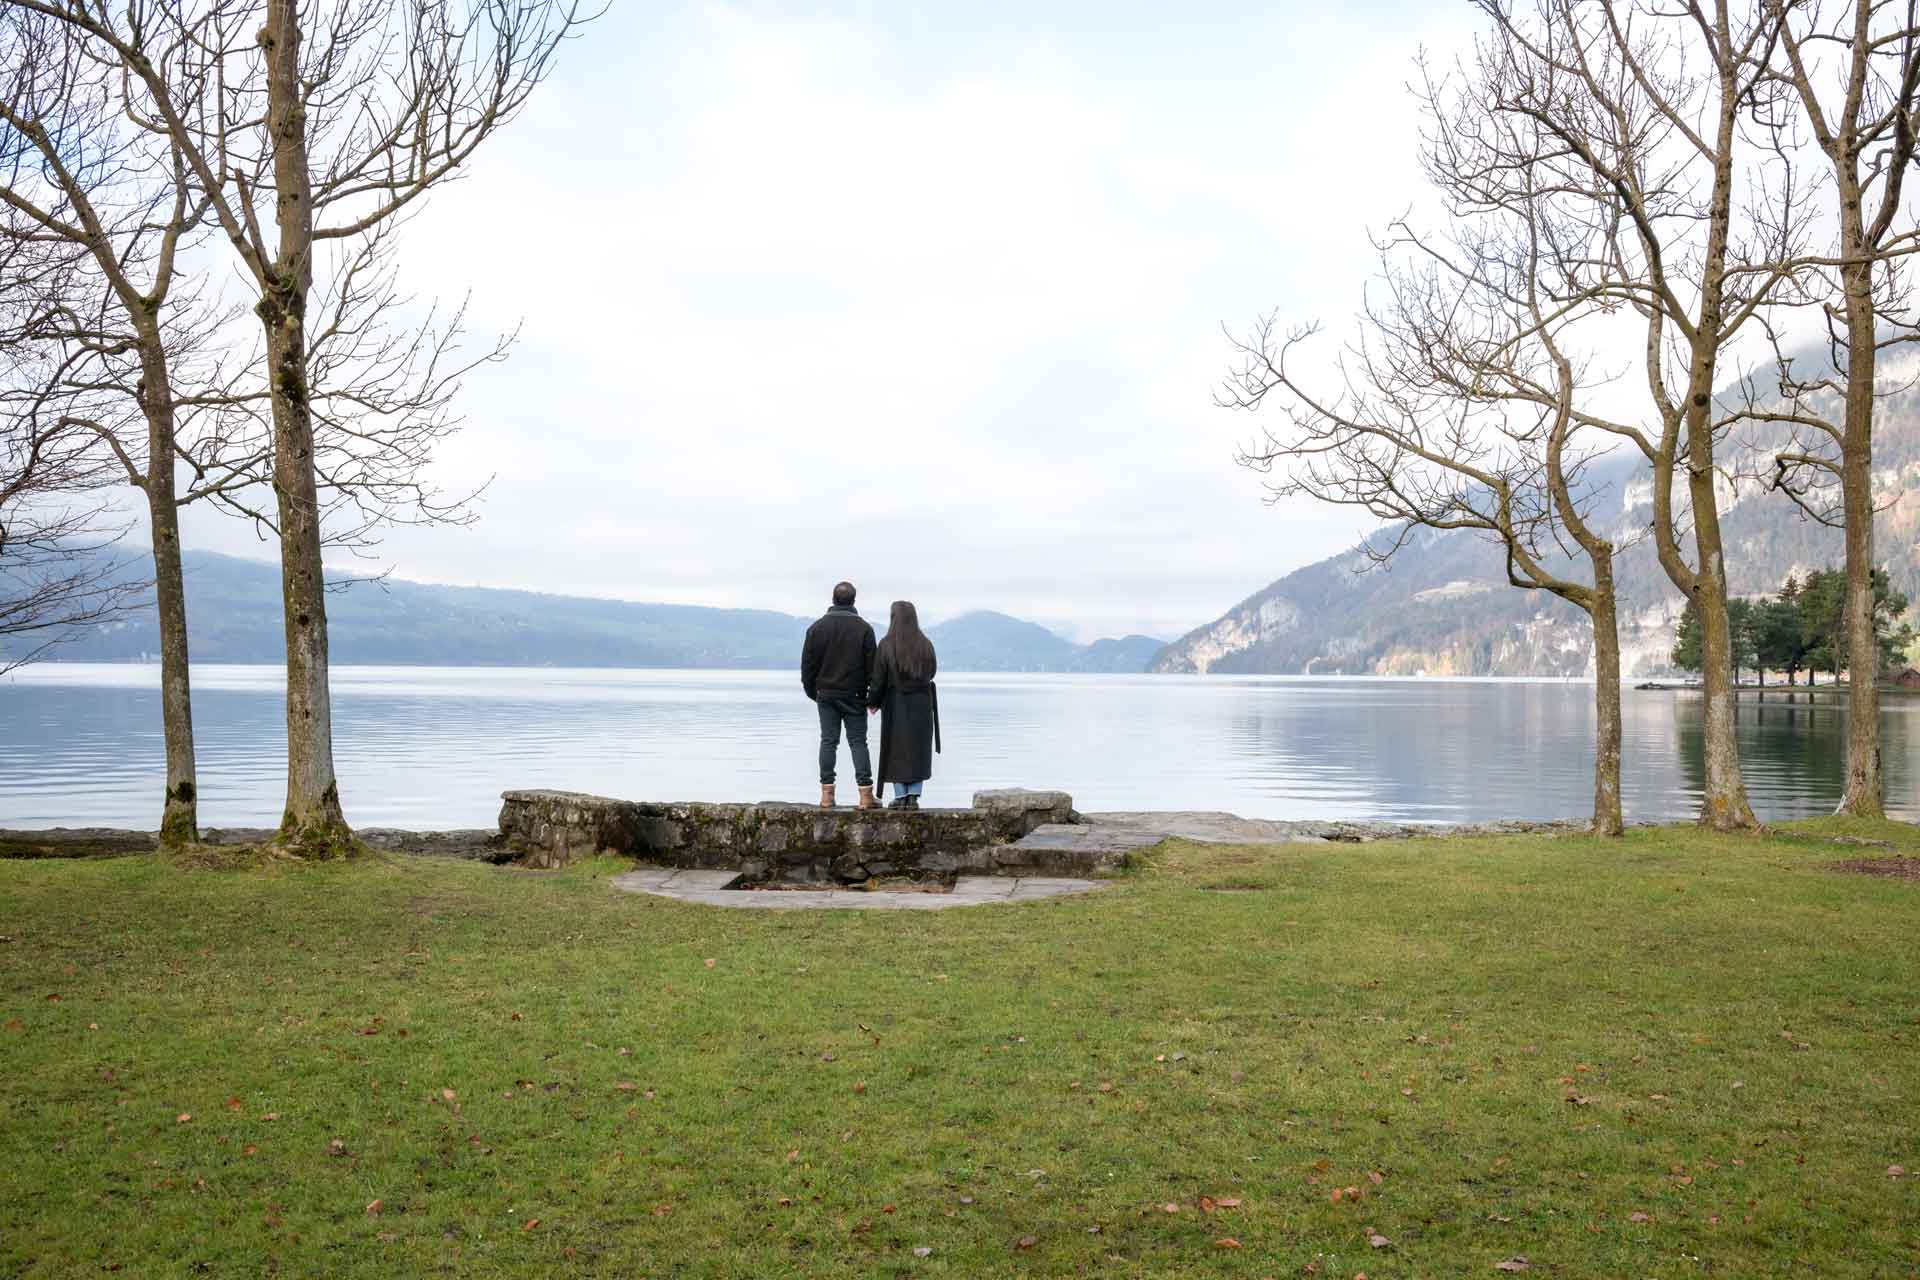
<point x="806" y="297"/>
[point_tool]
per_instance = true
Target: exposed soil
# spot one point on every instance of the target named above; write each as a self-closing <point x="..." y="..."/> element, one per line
<point x="1896" y="867"/>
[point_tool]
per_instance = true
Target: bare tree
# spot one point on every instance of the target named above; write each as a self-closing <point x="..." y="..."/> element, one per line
<point x="1853" y="70"/>
<point x="1647" y="123"/>
<point x="54" y="581"/>
<point x="1594" y="157"/>
<point x="305" y="125"/>
<point x="112" y="205"/>
<point x="1455" y="410"/>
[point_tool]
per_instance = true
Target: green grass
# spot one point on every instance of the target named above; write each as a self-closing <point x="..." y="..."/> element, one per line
<point x="819" y="1094"/>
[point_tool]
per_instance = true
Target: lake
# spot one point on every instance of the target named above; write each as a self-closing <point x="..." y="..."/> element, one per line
<point x="425" y="748"/>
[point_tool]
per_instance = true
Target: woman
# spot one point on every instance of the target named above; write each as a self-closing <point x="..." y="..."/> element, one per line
<point x="903" y="688"/>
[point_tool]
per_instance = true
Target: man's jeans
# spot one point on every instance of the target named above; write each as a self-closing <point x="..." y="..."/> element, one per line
<point x="836" y="711"/>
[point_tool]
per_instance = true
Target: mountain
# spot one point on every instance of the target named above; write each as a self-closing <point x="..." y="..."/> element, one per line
<point x="233" y="613"/>
<point x="1443" y="606"/>
<point x="988" y="641"/>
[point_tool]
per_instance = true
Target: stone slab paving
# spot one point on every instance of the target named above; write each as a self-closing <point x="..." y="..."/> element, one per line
<point x="712" y="888"/>
<point x="1119" y="833"/>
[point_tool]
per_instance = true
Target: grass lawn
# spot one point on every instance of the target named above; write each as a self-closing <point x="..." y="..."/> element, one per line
<point x="1664" y="1056"/>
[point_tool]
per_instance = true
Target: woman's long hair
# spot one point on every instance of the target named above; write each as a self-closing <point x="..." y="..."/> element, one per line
<point x="906" y="644"/>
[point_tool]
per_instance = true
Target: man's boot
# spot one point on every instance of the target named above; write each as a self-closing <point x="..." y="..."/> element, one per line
<point x="826" y="795"/>
<point x="866" y="799"/>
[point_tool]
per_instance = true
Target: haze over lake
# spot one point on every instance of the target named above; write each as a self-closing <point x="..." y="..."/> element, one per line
<point x="426" y="747"/>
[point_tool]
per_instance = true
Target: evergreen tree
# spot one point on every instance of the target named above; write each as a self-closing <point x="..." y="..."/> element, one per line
<point x="1687" y="652"/>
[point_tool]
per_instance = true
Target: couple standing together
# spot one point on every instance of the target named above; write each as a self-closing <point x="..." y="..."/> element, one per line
<point x="850" y="678"/>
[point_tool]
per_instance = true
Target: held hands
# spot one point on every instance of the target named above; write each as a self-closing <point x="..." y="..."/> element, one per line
<point x="873" y="711"/>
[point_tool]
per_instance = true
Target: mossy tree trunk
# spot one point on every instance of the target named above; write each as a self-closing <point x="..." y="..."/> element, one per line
<point x="180" y="817"/>
<point x="313" y="824"/>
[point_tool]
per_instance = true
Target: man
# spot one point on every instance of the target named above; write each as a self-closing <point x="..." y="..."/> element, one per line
<point x="836" y="665"/>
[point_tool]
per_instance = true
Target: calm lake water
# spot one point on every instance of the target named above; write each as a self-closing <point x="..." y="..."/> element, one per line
<point x="434" y="747"/>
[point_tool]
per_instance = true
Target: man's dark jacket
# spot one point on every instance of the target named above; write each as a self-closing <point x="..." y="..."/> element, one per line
<point x="837" y="660"/>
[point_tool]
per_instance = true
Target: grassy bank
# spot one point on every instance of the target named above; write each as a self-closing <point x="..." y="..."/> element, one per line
<point x="1663" y="1056"/>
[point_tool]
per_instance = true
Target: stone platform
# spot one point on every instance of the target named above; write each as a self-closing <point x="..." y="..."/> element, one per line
<point x="792" y="842"/>
<point x="717" y="889"/>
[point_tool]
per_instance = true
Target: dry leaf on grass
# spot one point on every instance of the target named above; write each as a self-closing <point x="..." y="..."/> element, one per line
<point x="1515" y="1263"/>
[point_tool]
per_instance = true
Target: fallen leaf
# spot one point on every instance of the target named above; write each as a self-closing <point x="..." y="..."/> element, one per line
<point x="886" y="1208"/>
<point x="1226" y="1242"/>
<point x="1230" y="1202"/>
<point x="373" y="1206"/>
<point x="514" y="1018"/>
<point x="626" y="1086"/>
<point x="336" y="1148"/>
<point x="1376" y="1177"/>
<point x="1515" y="1263"/>
<point x="1377" y="1240"/>
<point x="923" y="1252"/>
<point x="1026" y="1242"/>
<point x="185" y="1117"/>
<point x="1106" y="1086"/>
<point x="710" y="964"/>
<point x="233" y="1104"/>
<point x="271" y="1115"/>
<point x="1896" y="1171"/>
<point x="1739" y="1084"/>
<point x="1170" y="1207"/>
<point x="1159" y="1057"/>
<point x="531" y="1224"/>
<point x="249" y="1149"/>
<point x="860" y="1086"/>
<point x="1206" y="1204"/>
<point x="1637" y="1216"/>
<point x="793" y="1155"/>
<point x="662" y="1210"/>
<point x="448" y="1095"/>
<point x="14" y="1024"/>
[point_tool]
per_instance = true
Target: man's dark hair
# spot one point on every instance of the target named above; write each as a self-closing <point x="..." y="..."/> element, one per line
<point x="843" y="595"/>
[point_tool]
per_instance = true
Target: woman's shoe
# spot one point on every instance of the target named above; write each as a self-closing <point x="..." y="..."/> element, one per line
<point x="826" y="797"/>
<point x="913" y="802"/>
<point x="866" y="799"/>
<point x="898" y="802"/>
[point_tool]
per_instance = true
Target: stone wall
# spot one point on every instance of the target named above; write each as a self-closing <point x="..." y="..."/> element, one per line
<point x="795" y="842"/>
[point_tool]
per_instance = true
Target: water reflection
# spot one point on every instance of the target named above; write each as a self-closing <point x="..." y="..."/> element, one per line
<point x="427" y="747"/>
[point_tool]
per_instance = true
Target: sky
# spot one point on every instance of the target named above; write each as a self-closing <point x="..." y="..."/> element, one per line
<point x="925" y="296"/>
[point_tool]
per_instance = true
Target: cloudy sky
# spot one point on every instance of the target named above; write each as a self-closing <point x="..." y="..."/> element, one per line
<point x="929" y="296"/>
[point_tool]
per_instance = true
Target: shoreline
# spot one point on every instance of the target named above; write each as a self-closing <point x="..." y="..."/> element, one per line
<point x="1132" y="830"/>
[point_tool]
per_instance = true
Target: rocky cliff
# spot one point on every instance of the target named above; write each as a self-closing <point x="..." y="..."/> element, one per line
<point x="1443" y="606"/>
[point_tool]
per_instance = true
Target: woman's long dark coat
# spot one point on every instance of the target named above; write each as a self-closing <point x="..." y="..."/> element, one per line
<point x="909" y="721"/>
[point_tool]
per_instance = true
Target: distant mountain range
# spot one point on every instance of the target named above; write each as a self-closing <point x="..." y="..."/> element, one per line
<point x="233" y="615"/>
<point x="1443" y="605"/>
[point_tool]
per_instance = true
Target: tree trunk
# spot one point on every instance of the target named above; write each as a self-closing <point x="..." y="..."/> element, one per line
<point x="313" y="824"/>
<point x="1723" y="803"/>
<point x="1861" y="797"/>
<point x="180" y="817"/>
<point x="1606" y="702"/>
